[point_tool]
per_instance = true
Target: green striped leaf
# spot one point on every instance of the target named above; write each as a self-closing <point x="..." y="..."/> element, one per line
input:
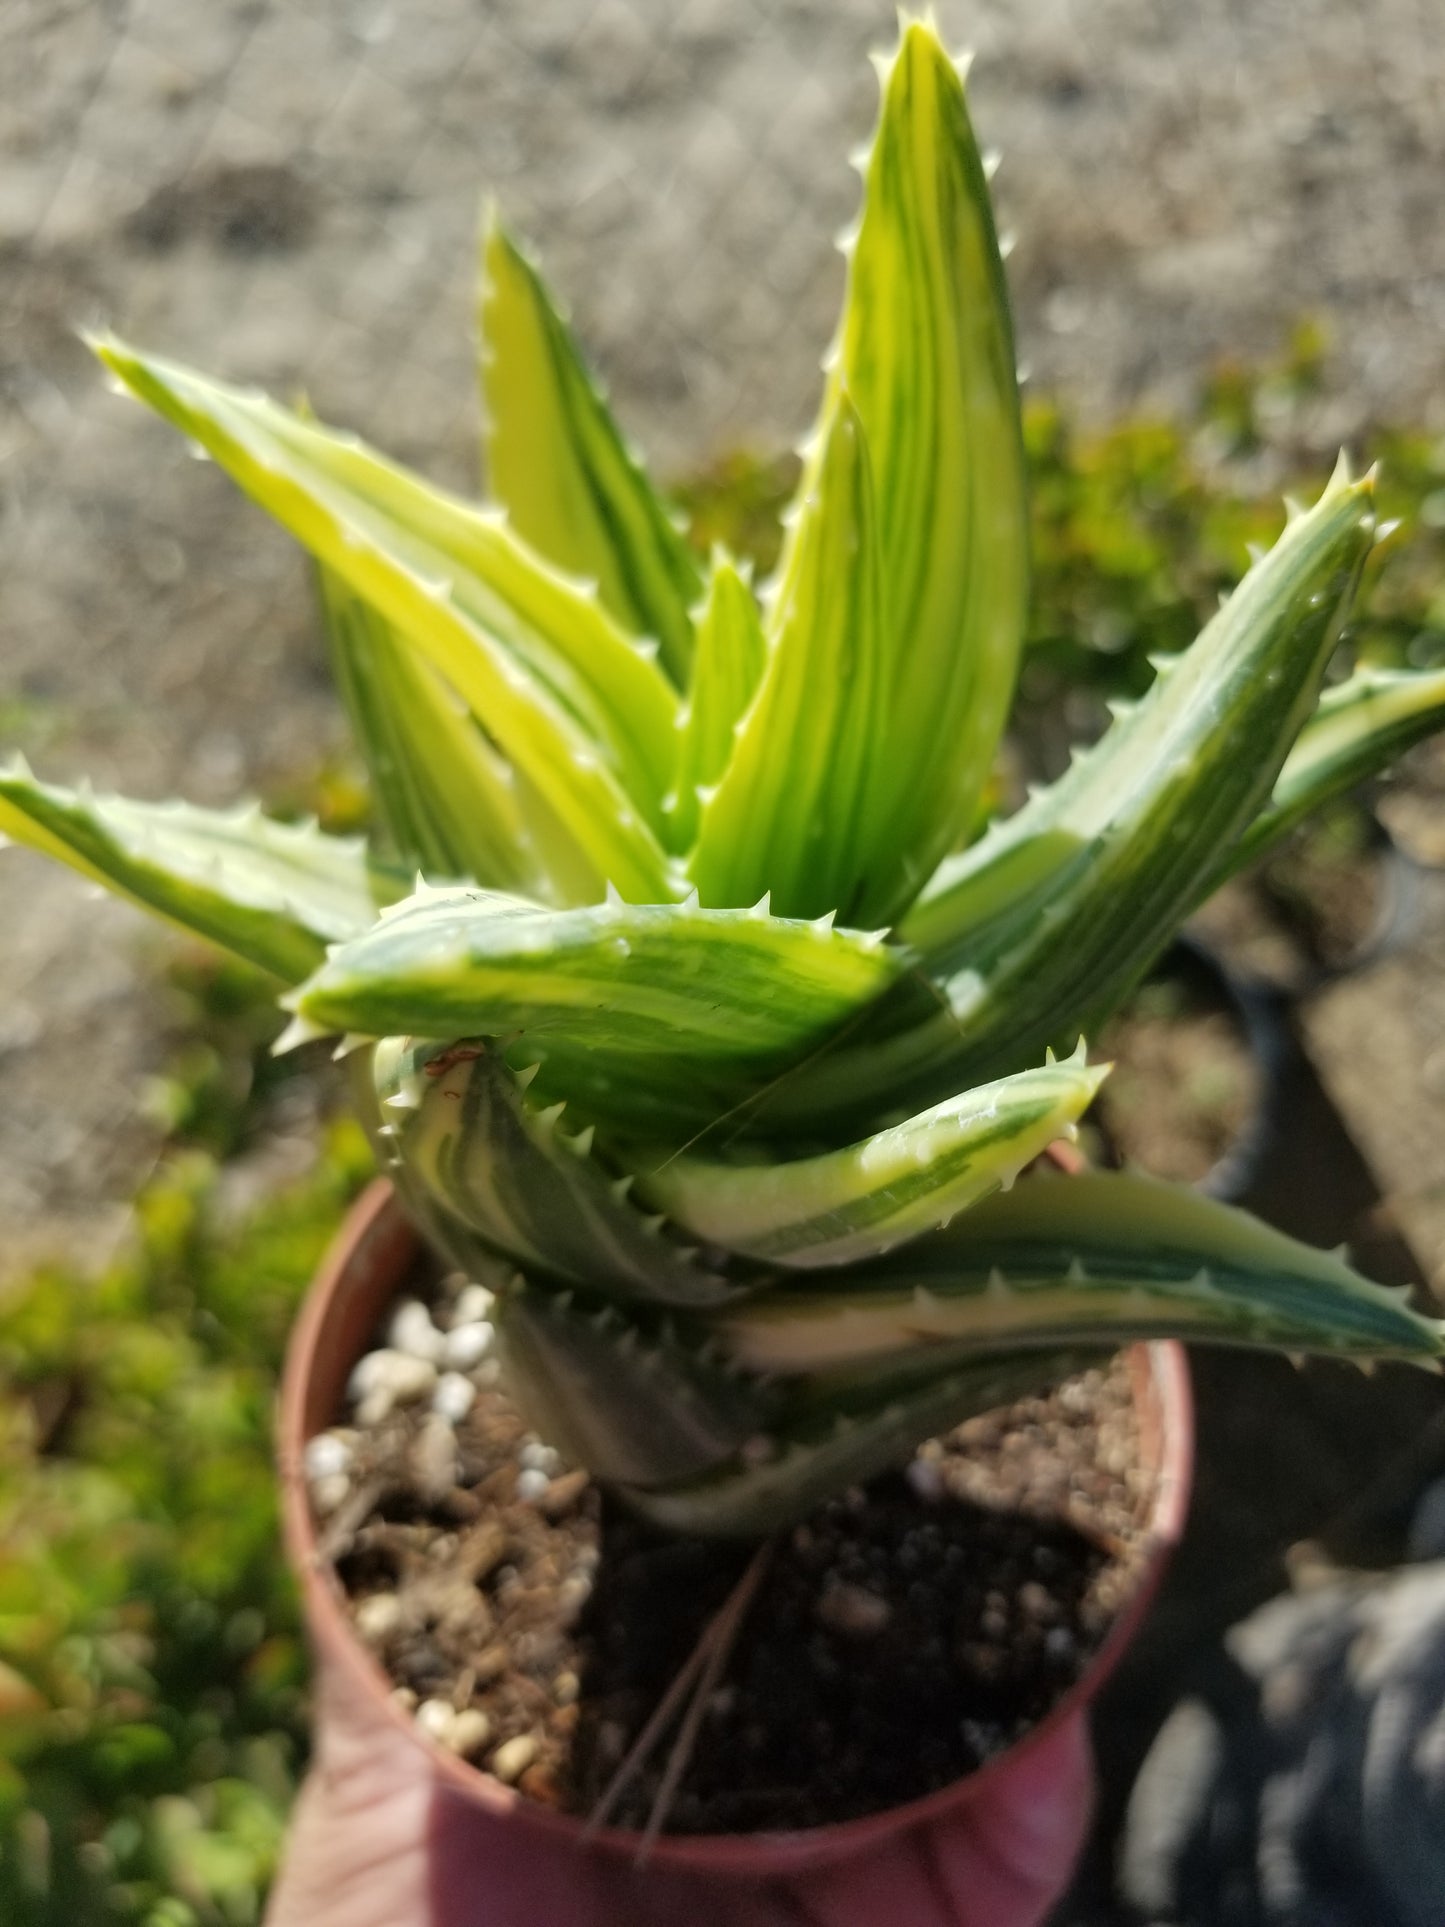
<point x="925" y="354"/>
<point x="1359" y="729"/>
<point x="1009" y="874"/>
<point x="1102" y="1258"/>
<point x="571" y="703"/>
<point x="460" y="1122"/>
<point x="790" y="813"/>
<point x="1217" y="723"/>
<point x="447" y="799"/>
<point x="729" y="666"/>
<point x="1130" y="836"/>
<point x="640" y="1405"/>
<point x="274" y="893"/>
<point x="855" y="1203"/>
<point x="658" y="1014"/>
<point x="818" y="1447"/>
<point x="453" y="1242"/>
<point x="555" y="460"/>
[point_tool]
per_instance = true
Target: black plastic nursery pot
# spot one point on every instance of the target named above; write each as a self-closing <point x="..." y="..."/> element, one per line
<point x="1261" y="1008"/>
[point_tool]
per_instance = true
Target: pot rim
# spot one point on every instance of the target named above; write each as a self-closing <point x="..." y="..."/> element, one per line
<point x="366" y="1262"/>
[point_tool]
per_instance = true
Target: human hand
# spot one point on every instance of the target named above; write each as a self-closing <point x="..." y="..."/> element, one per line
<point x="379" y="1841"/>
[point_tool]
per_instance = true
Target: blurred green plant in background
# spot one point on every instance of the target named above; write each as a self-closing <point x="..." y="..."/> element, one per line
<point x="1138" y="528"/>
<point x="152" y="1681"/>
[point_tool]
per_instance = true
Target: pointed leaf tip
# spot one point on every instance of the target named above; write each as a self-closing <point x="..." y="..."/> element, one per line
<point x="270" y="892"/>
<point x="923" y="380"/>
<point x="299" y="1031"/>
<point x="843" y="1206"/>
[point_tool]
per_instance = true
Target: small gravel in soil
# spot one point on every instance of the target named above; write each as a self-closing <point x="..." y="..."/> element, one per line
<point x="902" y="1635"/>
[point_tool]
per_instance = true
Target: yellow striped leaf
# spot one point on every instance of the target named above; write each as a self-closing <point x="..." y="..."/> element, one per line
<point x="649" y="1015"/>
<point x="461" y="1125"/>
<point x="728" y="666"/>
<point x="447" y="799"/>
<point x="1359" y="729"/>
<point x="790" y="813"/>
<point x="570" y="702"/>
<point x="1101" y="1258"/>
<point x="843" y="1206"/>
<point x="1126" y="839"/>
<point x="274" y="893"/>
<point x="925" y="355"/>
<point x="556" y="461"/>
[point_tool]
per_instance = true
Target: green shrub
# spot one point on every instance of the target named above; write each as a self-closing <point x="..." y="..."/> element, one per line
<point x="152" y="1681"/>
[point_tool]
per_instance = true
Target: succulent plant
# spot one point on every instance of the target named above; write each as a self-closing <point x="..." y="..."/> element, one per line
<point x="686" y="1002"/>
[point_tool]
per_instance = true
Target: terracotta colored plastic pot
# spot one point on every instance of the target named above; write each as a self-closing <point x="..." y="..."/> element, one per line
<point x="364" y="1270"/>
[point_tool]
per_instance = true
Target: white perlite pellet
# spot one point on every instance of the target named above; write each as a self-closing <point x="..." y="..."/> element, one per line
<point x="412" y="1331"/>
<point x="454" y="1397"/>
<point x="467" y="1345"/>
<point x="473" y="1306"/>
<point x="326" y="1455"/>
<point x="926" y="1479"/>
<point x="469" y="1730"/>
<point x="378" y="1617"/>
<point x="329" y="1493"/>
<point x="513" y="1757"/>
<point x="435" y="1718"/>
<point x="384" y="1379"/>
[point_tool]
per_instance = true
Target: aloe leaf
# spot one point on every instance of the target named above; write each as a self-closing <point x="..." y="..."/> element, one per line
<point x="925" y="355"/>
<point x="552" y="626"/>
<point x="571" y="703"/>
<point x="569" y="482"/>
<point x="790" y="811"/>
<point x="818" y="1448"/>
<point x="1215" y="726"/>
<point x="729" y="664"/>
<point x="571" y="875"/>
<point x="1102" y="1258"/>
<point x="447" y="799"/>
<point x="1010" y="873"/>
<point x="1128" y="838"/>
<point x="274" y="893"/>
<point x="454" y="1243"/>
<point x="1359" y="729"/>
<point x="858" y="1202"/>
<point x="462" y="1126"/>
<point x="646" y="1012"/>
<point x="637" y="1404"/>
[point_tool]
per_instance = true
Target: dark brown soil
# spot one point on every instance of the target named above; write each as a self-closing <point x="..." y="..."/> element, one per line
<point x="1183" y="1086"/>
<point x="903" y="1635"/>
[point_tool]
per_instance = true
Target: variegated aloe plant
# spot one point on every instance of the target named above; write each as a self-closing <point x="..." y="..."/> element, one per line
<point x="684" y="1000"/>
